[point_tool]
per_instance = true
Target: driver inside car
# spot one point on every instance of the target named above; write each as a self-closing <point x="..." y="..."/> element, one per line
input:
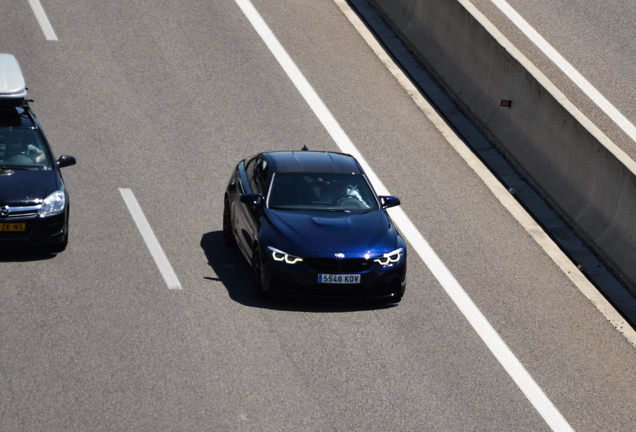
<point x="335" y="192"/>
<point x="16" y="147"/>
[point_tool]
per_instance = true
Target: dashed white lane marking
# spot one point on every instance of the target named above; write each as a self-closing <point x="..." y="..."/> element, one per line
<point x="151" y="240"/>
<point x="605" y="105"/>
<point x="45" y="24"/>
<point x="491" y="338"/>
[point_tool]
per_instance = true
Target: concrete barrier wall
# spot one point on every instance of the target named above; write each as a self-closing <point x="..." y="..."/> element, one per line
<point x="590" y="182"/>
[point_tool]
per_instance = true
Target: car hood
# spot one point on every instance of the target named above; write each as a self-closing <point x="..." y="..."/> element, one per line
<point x="298" y="232"/>
<point x="20" y="187"/>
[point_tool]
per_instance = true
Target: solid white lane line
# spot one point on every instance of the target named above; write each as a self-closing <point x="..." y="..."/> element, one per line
<point x="45" y="24"/>
<point x="499" y="191"/>
<point x="606" y="106"/>
<point x="491" y="338"/>
<point x="151" y="240"/>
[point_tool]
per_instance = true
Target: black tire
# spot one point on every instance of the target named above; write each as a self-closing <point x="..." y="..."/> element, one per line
<point x="257" y="273"/>
<point x="227" y="225"/>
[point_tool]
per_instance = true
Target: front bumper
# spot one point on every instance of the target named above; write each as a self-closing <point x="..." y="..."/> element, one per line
<point x="301" y="279"/>
<point x="39" y="231"/>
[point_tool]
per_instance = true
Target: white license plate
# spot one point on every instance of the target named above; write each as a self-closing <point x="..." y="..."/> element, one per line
<point x="339" y="279"/>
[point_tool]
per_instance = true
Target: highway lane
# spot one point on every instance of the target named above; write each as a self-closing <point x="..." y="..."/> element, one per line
<point x="596" y="38"/>
<point x="164" y="99"/>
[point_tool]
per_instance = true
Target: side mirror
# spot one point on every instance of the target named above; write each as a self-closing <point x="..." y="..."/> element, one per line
<point x="65" y="161"/>
<point x="389" y="201"/>
<point x="253" y="199"/>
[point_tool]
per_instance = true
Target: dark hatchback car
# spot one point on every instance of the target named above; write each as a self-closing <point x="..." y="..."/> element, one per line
<point x="310" y="223"/>
<point x="34" y="204"/>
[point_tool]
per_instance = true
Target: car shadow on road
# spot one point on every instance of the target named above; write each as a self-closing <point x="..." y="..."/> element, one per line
<point x="24" y="255"/>
<point x="232" y="270"/>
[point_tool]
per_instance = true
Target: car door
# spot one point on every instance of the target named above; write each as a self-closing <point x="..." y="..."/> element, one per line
<point x="244" y="228"/>
<point x="258" y="178"/>
<point x="254" y="181"/>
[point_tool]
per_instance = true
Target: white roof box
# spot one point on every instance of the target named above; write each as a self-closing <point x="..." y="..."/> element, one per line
<point x="12" y="86"/>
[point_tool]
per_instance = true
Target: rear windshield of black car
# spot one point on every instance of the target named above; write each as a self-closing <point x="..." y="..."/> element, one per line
<point x="22" y="148"/>
<point x="322" y="192"/>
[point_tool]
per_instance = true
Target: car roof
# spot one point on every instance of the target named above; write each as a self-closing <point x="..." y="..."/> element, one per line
<point x="313" y="161"/>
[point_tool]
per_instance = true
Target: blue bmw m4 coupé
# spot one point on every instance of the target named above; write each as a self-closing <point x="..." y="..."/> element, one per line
<point x="309" y="223"/>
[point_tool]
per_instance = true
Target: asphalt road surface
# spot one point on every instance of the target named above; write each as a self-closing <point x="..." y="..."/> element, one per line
<point x="164" y="98"/>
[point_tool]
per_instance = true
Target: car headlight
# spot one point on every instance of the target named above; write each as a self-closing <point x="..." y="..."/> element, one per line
<point x="279" y="255"/>
<point x="390" y="258"/>
<point x="53" y="204"/>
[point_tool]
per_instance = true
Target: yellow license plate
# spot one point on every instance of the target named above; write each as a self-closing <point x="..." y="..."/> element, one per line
<point x="12" y="227"/>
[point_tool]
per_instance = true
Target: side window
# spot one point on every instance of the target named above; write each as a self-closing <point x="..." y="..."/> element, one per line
<point x="258" y="181"/>
<point x="254" y="183"/>
<point x="262" y="179"/>
<point x="249" y="169"/>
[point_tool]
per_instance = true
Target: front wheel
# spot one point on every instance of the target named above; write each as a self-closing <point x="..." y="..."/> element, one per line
<point x="257" y="273"/>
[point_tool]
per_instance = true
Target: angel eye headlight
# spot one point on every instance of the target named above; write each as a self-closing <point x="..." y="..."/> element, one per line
<point x="390" y="258"/>
<point x="279" y="255"/>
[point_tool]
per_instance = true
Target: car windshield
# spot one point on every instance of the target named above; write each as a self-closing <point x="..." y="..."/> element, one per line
<point x="322" y="192"/>
<point x="22" y="148"/>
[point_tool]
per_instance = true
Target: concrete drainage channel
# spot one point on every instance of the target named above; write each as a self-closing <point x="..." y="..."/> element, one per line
<point x="595" y="270"/>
